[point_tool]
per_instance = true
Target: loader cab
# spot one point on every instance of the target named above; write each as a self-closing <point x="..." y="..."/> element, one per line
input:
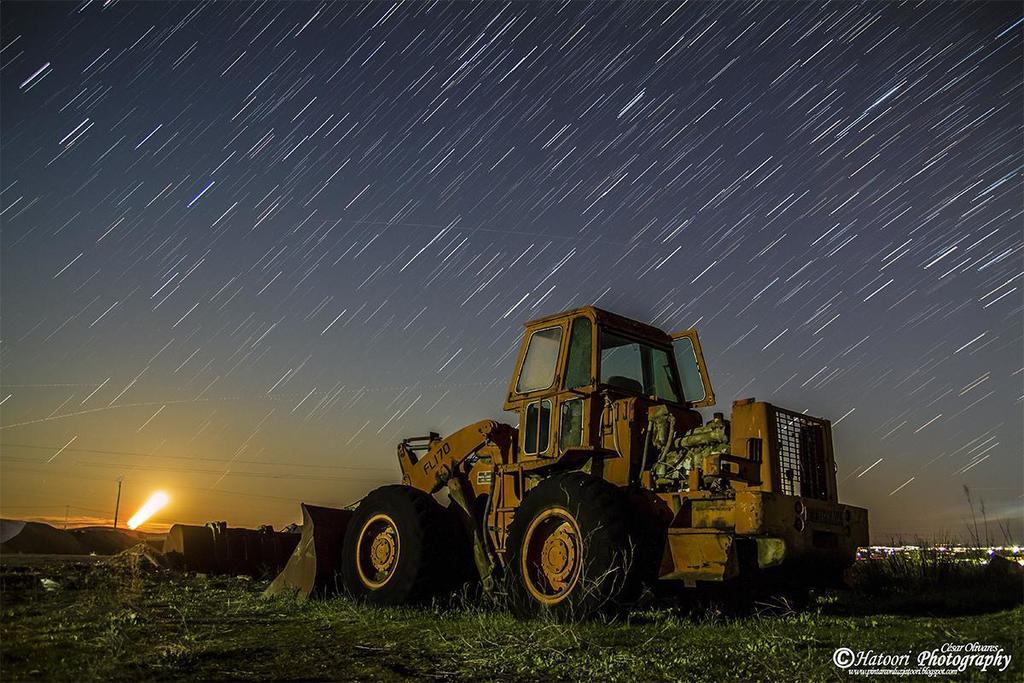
<point x="571" y="364"/>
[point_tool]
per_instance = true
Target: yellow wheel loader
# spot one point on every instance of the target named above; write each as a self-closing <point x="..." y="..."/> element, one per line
<point x="611" y="480"/>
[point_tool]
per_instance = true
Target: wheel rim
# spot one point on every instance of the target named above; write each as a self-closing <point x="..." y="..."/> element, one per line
<point x="552" y="556"/>
<point x="377" y="551"/>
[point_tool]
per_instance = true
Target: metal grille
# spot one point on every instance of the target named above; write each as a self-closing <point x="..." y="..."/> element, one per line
<point x="801" y="453"/>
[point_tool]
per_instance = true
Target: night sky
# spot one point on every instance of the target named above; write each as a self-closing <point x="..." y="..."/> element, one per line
<point x="249" y="247"/>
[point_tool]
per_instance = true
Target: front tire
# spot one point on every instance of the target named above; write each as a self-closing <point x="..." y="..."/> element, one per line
<point x="570" y="551"/>
<point x="395" y="548"/>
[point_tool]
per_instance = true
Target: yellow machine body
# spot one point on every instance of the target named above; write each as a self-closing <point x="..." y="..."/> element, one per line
<point x="606" y="406"/>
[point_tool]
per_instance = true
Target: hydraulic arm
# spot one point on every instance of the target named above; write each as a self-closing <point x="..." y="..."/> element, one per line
<point x="429" y="463"/>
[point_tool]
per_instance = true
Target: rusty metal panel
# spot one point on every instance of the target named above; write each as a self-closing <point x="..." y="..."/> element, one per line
<point x="218" y="549"/>
<point x="749" y="420"/>
<point x="714" y="514"/>
<point x="699" y="555"/>
<point x="190" y="548"/>
<point x="771" y="551"/>
<point x="809" y="527"/>
<point x="858" y="523"/>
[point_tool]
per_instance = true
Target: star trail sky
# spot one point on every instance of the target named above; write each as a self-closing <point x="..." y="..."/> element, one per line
<point x="247" y="247"/>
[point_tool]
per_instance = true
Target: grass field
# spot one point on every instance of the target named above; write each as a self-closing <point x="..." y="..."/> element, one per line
<point x="123" y="623"/>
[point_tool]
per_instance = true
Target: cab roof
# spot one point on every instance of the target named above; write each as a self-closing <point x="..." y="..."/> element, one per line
<point x="608" y="319"/>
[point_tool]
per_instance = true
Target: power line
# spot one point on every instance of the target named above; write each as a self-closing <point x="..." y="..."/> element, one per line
<point x="246" y="494"/>
<point x="50" y="507"/>
<point x="200" y="458"/>
<point x="197" y="470"/>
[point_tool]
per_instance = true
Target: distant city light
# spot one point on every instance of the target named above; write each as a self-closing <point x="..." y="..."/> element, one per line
<point x="155" y="503"/>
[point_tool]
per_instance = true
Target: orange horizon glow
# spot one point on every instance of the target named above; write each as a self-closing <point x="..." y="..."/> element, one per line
<point x="155" y="503"/>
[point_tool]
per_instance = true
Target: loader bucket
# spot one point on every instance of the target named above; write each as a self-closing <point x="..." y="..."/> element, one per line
<point x="313" y="567"/>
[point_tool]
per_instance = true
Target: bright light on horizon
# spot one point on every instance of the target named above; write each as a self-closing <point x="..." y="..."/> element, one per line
<point x="155" y="503"/>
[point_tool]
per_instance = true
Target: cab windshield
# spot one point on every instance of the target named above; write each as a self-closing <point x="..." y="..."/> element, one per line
<point x="636" y="367"/>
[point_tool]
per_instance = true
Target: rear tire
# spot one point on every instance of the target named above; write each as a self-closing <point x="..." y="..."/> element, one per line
<point x="650" y="518"/>
<point x="396" y="550"/>
<point x="570" y="551"/>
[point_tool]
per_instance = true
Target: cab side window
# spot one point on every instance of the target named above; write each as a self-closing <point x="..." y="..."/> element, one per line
<point x="538" y="427"/>
<point x="570" y="424"/>
<point x="577" y="365"/>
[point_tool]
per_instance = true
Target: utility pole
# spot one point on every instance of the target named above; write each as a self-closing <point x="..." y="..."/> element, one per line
<point x="117" y="505"/>
<point x="67" y="508"/>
